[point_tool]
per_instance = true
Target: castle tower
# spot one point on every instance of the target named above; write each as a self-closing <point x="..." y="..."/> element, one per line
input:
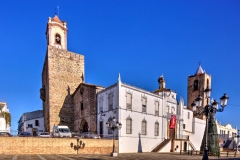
<point x="62" y="72"/>
<point x="197" y="83"/>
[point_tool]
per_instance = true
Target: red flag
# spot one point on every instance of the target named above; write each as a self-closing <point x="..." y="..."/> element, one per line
<point x="172" y="122"/>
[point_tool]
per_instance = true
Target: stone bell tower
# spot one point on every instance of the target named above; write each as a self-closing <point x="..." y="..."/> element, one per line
<point x="197" y="83"/>
<point x="62" y="72"/>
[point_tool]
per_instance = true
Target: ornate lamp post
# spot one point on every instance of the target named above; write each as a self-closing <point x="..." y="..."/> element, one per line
<point x="113" y="125"/>
<point x="208" y="110"/>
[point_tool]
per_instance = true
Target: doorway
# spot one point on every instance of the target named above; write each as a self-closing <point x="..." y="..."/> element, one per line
<point x="85" y="127"/>
<point x="101" y="128"/>
<point x="185" y="146"/>
<point x="171" y="133"/>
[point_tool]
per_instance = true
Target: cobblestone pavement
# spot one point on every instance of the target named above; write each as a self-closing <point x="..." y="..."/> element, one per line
<point x="127" y="156"/>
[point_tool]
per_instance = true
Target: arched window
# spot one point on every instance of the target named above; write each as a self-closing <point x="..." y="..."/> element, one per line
<point x="195" y="85"/>
<point x="129" y="125"/>
<point x="58" y="39"/>
<point x="207" y="82"/>
<point x="156" y="129"/>
<point x="144" y="127"/>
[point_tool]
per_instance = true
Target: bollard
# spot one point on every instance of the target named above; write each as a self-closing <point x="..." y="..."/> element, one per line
<point x="235" y="154"/>
<point x="227" y="153"/>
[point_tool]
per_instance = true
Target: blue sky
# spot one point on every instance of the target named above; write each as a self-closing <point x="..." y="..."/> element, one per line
<point x="139" y="39"/>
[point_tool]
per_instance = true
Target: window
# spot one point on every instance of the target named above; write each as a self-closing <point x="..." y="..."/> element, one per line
<point x="167" y="109"/>
<point x="188" y="115"/>
<point x="144" y="127"/>
<point x="156" y="129"/>
<point x="156" y="108"/>
<point x="184" y="126"/>
<point x="30" y="126"/>
<point x="129" y="101"/>
<point x="110" y="101"/>
<point x="129" y="126"/>
<point x="172" y="110"/>
<point x="144" y="105"/>
<point x="36" y="123"/>
<point x="101" y="105"/>
<point x="195" y="85"/>
<point x="207" y="82"/>
<point x="81" y="105"/>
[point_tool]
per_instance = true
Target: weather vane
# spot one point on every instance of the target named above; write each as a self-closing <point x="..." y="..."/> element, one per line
<point x="57" y="11"/>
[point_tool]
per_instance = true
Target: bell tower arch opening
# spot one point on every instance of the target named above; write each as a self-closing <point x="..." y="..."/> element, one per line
<point x="56" y="33"/>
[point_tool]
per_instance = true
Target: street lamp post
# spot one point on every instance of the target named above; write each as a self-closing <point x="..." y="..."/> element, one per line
<point x="113" y="125"/>
<point x="208" y="110"/>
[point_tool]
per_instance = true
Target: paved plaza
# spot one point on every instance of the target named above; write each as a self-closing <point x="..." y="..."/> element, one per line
<point x="127" y="156"/>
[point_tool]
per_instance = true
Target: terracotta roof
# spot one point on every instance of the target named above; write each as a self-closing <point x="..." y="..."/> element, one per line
<point x="199" y="70"/>
<point x="55" y="18"/>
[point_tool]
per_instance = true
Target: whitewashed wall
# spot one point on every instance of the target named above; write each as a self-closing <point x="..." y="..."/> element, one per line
<point x="136" y="142"/>
<point x="32" y="121"/>
<point x="3" y="126"/>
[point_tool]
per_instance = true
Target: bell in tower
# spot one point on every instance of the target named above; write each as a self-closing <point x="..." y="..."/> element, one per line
<point x="56" y="33"/>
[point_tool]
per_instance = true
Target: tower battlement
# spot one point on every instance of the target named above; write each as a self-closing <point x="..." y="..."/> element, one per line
<point x="64" y="53"/>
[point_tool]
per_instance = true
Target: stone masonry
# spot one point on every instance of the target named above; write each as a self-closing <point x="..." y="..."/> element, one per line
<point x="203" y="80"/>
<point x="36" y="145"/>
<point x="62" y="72"/>
<point x="85" y="107"/>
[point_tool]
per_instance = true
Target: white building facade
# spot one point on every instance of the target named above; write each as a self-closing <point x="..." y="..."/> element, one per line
<point x="32" y="122"/>
<point x="193" y="127"/>
<point x="5" y="117"/>
<point x="227" y="135"/>
<point x="146" y="120"/>
<point x="145" y="116"/>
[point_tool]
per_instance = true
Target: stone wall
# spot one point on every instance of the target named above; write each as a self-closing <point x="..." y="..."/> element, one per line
<point x="85" y="107"/>
<point x="202" y="85"/>
<point x="32" y="145"/>
<point x="63" y="74"/>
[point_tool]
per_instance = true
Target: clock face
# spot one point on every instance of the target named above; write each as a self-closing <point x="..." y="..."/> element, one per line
<point x="57" y="46"/>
